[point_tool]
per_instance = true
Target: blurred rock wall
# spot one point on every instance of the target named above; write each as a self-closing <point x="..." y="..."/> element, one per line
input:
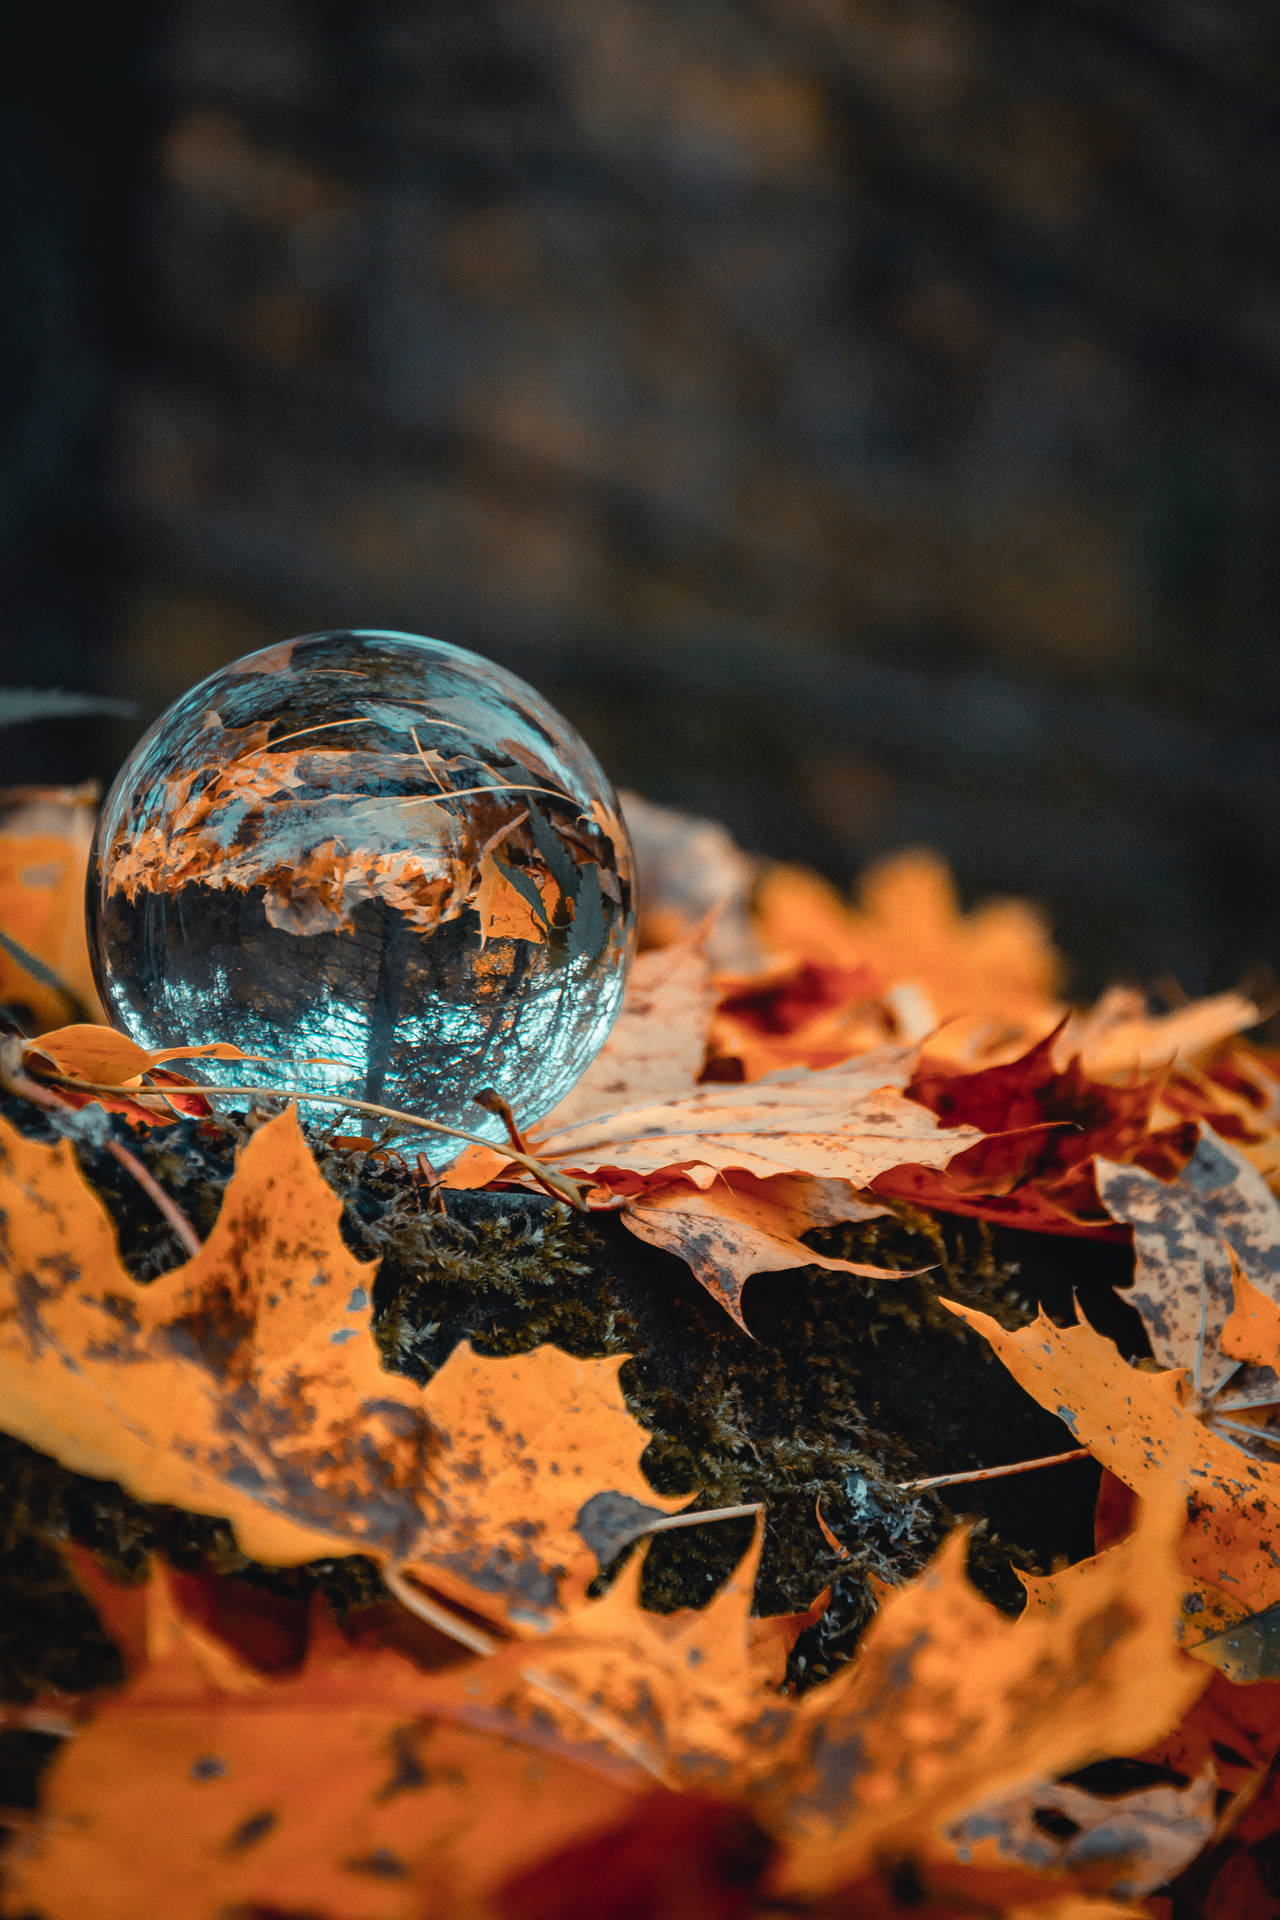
<point x="859" y="415"/>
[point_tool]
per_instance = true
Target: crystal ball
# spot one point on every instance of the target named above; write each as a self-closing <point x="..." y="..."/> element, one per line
<point x="381" y="862"/>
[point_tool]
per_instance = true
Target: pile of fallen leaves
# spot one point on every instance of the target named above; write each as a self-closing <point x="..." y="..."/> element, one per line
<point x="501" y="1726"/>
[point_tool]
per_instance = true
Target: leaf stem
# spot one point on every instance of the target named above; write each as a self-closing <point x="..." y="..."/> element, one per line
<point x="15" y="1075"/>
<point x="993" y="1473"/>
<point x="417" y="1602"/>
<point x="671" y="1520"/>
<point x="560" y="1183"/>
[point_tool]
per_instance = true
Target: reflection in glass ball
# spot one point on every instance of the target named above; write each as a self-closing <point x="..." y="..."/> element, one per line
<point x="382" y="861"/>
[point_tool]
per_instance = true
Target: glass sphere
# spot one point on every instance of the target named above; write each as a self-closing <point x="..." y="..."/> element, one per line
<point x="382" y="862"/>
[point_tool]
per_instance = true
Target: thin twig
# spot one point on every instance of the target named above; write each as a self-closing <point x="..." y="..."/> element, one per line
<point x="561" y="1184"/>
<point x="41" y="971"/>
<point x="42" y="1094"/>
<point x="1241" y="1405"/>
<point x="417" y="1602"/>
<point x="453" y="793"/>
<point x="671" y="1520"/>
<point x="162" y="1201"/>
<point x="37" y="1719"/>
<point x="992" y="1473"/>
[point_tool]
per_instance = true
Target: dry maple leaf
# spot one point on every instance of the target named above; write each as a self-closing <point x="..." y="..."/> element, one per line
<point x="682" y="1694"/>
<point x="206" y="1787"/>
<point x="1184" y="1233"/>
<point x="844" y="1123"/>
<point x="742" y="1225"/>
<point x="45" y="833"/>
<point x="247" y="1384"/>
<point x="1138" y="1840"/>
<point x="729" y="1177"/>
<point x="948" y="1703"/>
<point x="1044" y="1125"/>
<point x="658" y="1041"/>
<point x="1149" y="1429"/>
<point x="149" y="1095"/>
<point x="996" y="962"/>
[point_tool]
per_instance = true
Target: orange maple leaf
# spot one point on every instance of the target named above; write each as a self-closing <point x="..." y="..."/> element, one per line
<point x="149" y="1095"/>
<point x="45" y="834"/>
<point x="206" y="1786"/>
<point x="948" y="1703"/>
<point x="996" y="962"/>
<point x="743" y="1225"/>
<point x="1149" y="1429"/>
<point x="681" y="1695"/>
<point x="247" y="1384"/>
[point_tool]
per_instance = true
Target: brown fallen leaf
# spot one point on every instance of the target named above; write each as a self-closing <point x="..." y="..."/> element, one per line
<point x="743" y="1225"/>
<point x="1184" y="1233"/>
<point x="1148" y="1429"/>
<point x="247" y="1384"/>
<point x="844" y="1123"/>
<point x="658" y="1040"/>
<point x="729" y="1177"/>
<point x="948" y="1703"/>
<point x="1135" y="1842"/>
<point x="45" y="833"/>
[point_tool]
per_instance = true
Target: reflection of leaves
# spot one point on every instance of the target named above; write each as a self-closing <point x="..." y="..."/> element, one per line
<point x="527" y="887"/>
<point x="558" y="861"/>
<point x="587" y="934"/>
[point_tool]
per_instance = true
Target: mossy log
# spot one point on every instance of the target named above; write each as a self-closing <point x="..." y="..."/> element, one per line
<point x="844" y="1389"/>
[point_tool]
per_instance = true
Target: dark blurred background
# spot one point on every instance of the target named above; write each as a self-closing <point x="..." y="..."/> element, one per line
<point x="860" y="416"/>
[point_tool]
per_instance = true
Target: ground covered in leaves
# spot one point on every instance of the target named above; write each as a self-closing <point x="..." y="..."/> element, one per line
<point x="351" y="1520"/>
